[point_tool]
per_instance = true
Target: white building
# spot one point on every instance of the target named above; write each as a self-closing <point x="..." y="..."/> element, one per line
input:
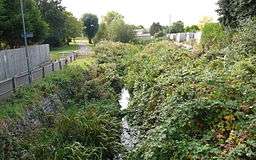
<point x="185" y="37"/>
<point x="142" y="34"/>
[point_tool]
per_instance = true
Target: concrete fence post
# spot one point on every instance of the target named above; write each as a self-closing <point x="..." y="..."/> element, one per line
<point x="14" y="84"/>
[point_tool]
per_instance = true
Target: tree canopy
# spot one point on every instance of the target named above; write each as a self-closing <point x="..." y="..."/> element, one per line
<point x="73" y="27"/>
<point x="11" y="22"/>
<point x="155" y="28"/>
<point x="46" y="19"/>
<point x="232" y="12"/>
<point x="63" y="25"/>
<point x="90" y="25"/>
<point x="112" y="16"/>
<point x="114" y="28"/>
<point x="193" y="28"/>
<point x="177" y="27"/>
<point x="118" y="31"/>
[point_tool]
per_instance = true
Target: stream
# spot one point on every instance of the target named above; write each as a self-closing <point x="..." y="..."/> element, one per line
<point x="128" y="137"/>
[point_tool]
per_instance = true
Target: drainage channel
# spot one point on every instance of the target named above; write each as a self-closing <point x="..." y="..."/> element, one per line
<point x="128" y="137"/>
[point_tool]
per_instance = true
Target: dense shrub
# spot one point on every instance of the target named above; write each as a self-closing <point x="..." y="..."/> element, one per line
<point x="84" y="124"/>
<point x="112" y="55"/>
<point x="183" y="106"/>
<point x="245" y="38"/>
<point x="213" y="37"/>
<point x="187" y="107"/>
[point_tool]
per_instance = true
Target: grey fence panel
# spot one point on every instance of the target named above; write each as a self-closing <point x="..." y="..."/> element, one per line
<point x="22" y="80"/>
<point x="37" y="74"/>
<point x="56" y="66"/>
<point x="8" y="86"/>
<point x="5" y="86"/>
<point x="48" y="68"/>
<point x="3" y="67"/>
<point x="16" y="61"/>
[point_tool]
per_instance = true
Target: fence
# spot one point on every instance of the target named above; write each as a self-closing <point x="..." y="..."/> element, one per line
<point x="13" y="61"/>
<point x="8" y="86"/>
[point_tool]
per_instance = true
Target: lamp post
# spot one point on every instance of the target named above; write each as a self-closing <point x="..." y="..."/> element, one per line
<point x="26" y="42"/>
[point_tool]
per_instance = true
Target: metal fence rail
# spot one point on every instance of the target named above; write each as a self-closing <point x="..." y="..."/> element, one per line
<point x="10" y="85"/>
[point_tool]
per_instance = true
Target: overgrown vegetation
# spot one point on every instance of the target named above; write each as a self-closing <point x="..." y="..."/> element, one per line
<point x="72" y="114"/>
<point x="213" y="37"/>
<point x="190" y="107"/>
<point x="183" y="105"/>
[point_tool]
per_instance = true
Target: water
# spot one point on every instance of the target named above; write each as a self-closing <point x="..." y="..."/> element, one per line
<point x="124" y="100"/>
<point x="128" y="135"/>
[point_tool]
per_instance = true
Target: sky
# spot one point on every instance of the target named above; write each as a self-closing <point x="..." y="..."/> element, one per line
<point x="145" y="12"/>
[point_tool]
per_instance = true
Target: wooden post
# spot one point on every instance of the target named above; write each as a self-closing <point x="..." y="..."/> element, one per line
<point x="60" y="65"/>
<point x="52" y="66"/>
<point x="75" y="55"/>
<point x="66" y="61"/>
<point x="14" y="84"/>
<point x="43" y="72"/>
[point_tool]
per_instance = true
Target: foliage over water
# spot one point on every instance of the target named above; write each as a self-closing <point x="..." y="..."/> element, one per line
<point x="189" y="107"/>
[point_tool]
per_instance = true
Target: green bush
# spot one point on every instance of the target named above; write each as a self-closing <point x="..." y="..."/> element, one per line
<point x="245" y="38"/>
<point x="97" y="131"/>
<point x="188" y="107"/>
<point x="213" y="37"/>
<point x="83" y="120"/>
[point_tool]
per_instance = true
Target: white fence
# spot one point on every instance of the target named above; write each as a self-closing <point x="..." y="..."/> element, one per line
<point x="13" y="61"/>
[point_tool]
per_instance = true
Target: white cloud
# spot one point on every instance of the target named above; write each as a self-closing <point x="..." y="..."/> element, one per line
<point x="146" y="12"/>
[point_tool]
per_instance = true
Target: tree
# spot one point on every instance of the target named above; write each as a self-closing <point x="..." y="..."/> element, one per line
<point x="63" y="25"/>
<point x="232" y="12"/>
<point x="1" y="15"/>
<point x="11" y="23"/>
<point x="245" y="40"/>
<point x="193" y="28"/>
<point x="54" y="14"/>
<point x="177" y="27"/>
<point x="213" y="37"/>
<point x="73" y="27"/>
<point x="112" y="16"/>
<point x="102" y="33"/>
<point x="114" y="28"/>
<point x="91" y="26"/>
<point x="118" y="31"/>
<point x="155" y="28"/>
